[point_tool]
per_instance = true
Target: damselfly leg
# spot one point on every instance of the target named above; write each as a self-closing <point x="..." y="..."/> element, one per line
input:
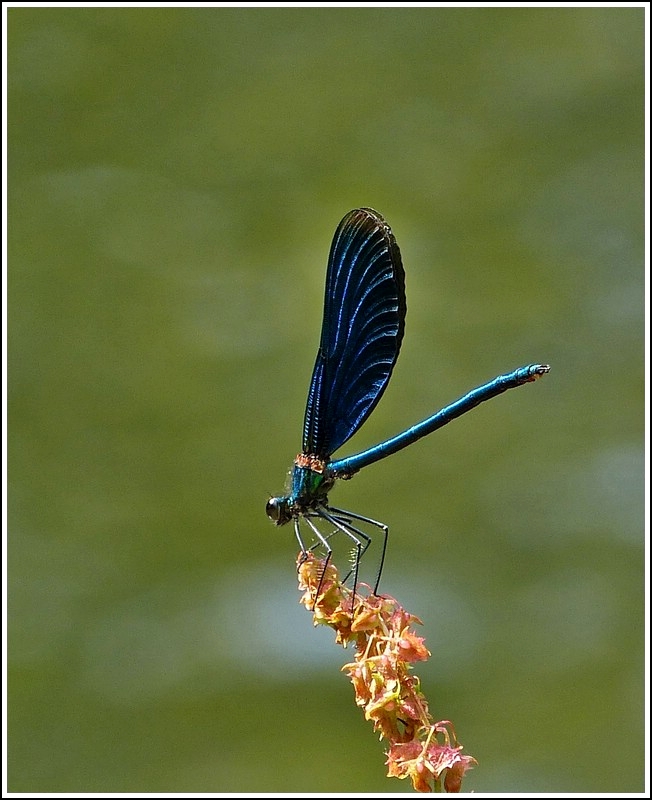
<point x="342" y="522"/>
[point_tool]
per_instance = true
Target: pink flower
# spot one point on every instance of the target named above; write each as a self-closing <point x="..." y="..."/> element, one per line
<point x="386" y="646"/>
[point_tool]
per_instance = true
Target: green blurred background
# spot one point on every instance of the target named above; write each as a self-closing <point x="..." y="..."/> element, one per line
<point x="175" y="178"/>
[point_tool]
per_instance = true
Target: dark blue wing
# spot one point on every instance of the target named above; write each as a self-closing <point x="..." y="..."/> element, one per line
<point x="364" y="314"/>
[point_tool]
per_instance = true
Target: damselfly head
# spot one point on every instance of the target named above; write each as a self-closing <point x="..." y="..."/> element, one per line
<point x="278" y="510"/>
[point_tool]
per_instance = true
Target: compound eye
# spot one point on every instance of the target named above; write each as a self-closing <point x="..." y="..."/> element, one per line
<point x="273" y="509"/>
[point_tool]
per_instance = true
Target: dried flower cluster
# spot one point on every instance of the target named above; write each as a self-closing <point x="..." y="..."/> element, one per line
<point x="425" y="751"/>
